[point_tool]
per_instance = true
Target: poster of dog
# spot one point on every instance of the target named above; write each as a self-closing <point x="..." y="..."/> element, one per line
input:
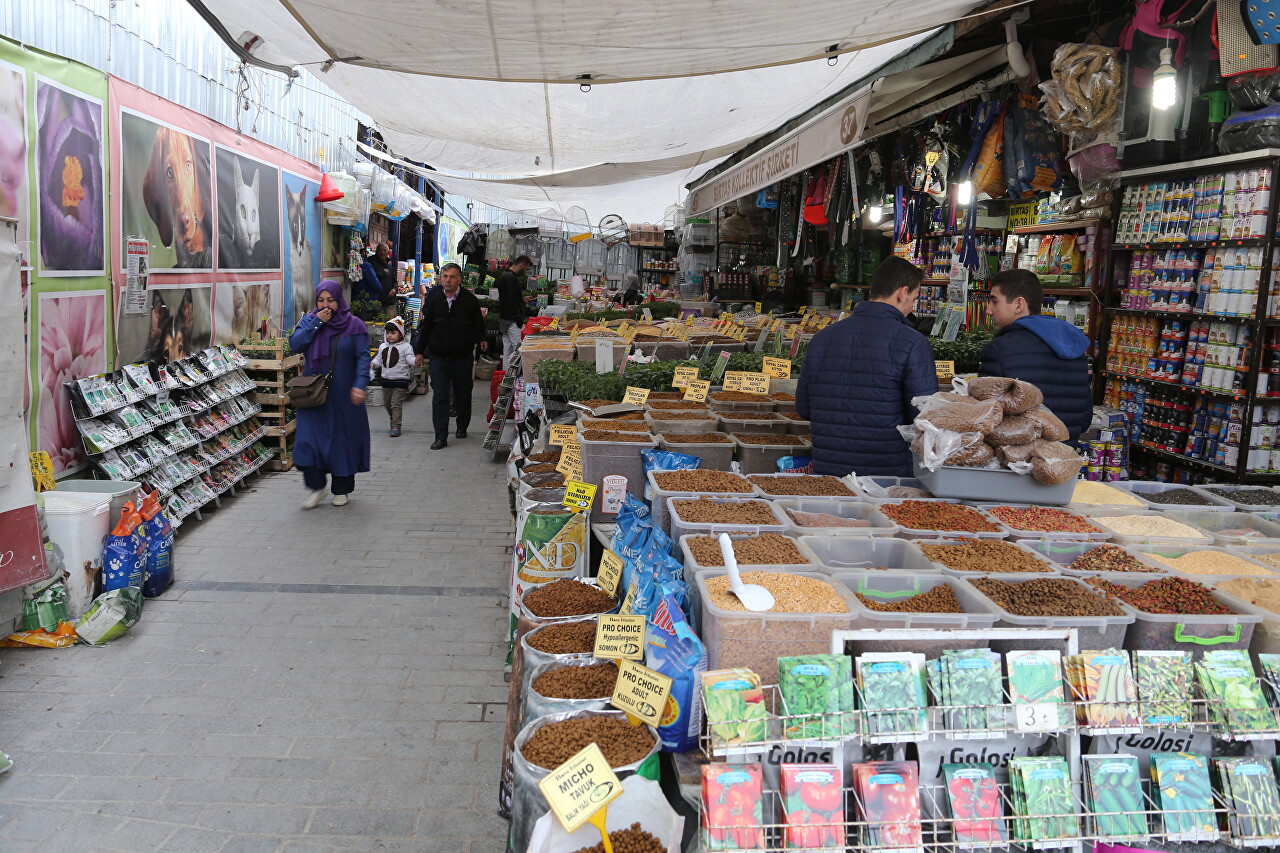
<point x="69" y="178"/>
<point x="248" y="213"/>
<point x="302" y="236"/>
<point x="13" y="143"/>
<point x="178" y="322"/>
<point x="239" y="308"/>
<point x="166" y="193"/>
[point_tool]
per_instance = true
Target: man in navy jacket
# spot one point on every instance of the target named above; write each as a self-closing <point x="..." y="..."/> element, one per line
<point x="859" y="378"/>
<point x="1045" y="351"/>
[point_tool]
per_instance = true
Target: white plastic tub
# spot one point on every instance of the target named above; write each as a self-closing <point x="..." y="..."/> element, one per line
<point x="764" y="404"/>
<point x="879" y="524"/>
<point x="681" y="528"/>
<point x="1064" y="552"/>
<point x="807" y="563"/>
<point x="658" y="498"/>
<point x="1050" y="567"/>
<point x="764" y="482"/>
<point x="871" y="495"/>
<point x="699" y="424"/>
<point x="1015" y="532"/>
<point x="848" y="553"/>
<point x="1232" y="528"/>
<point x="1092" y="632"/>
<point x="1150" y="491"/>
<point x="1001" y="531"/>
<point x="120" y="492"/>
<point x="888" y="587"/>
<point x="763" y="458"/>
<point x="744" y="422"/>
<point x="1150" y="554"/>
<point x="79" y="523"/>
<point x="1242" y="507"/>
<point x="1100" y="518"/>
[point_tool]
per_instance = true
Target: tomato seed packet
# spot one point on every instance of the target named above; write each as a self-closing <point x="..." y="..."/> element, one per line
<point x="1181" y="788"/>
<point x="1113" y="787"/>
<point x="732" y="807"/>
<point x="889" y="797"/>
<point x="974" y="800"/>
<point x="813" y="807"/>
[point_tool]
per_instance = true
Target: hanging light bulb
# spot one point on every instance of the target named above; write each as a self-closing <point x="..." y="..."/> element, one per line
<point x="964" y="193"/>
<point x="875" y="213"/>
<point x="1164" y="82"/>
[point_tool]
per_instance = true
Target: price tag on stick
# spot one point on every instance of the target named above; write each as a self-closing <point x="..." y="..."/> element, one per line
<point x="580" y="788"/>
<point x="635" y="396"/>
<point x="578" y="496"/>
<point x="747" y="382"/>
<point x="641" y="692"/>
<point x="41" y="471"/>
<point x="697" y="390"/>
<point x="683" y="376"/>
<point x="620" y="637"/>
<point x="610" y="572"/>
<point x="562" y="434"/>
<point x="777" y="368"/>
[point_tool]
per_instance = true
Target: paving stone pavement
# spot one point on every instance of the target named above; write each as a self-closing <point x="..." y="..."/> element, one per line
<point x="315" y="681"/>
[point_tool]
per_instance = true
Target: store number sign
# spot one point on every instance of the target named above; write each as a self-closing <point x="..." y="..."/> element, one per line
<point x="641" y="692"/>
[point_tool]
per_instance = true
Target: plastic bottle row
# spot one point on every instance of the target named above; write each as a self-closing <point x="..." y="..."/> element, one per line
<point x="1228" y="206"/>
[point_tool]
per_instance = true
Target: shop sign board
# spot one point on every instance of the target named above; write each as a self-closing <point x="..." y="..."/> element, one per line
<point x="1022" y="215"/>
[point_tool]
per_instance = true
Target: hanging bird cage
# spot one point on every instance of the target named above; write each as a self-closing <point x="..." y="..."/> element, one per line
<point x="613" y="230"/>
<point x="590" y="257"/>
<point x="645" y="234"/>
<point x="501" y="244"/>
<point x="577" y="225"/>
<point x="560" y="254"/>
<point x="529" y="244"/>
<point x="523" y="222"/>
<point x="673" y="218"/>
<point x="550" y="226"/>
<point x="620" y="260"/>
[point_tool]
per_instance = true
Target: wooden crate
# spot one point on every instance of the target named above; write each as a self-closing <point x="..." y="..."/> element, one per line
<point x="271" y="369"/>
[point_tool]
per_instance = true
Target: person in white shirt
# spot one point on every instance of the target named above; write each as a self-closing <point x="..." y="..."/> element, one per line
<point x="394" y="361"/>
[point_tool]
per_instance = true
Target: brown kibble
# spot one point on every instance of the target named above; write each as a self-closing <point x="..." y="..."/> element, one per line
<point x="984" y="555"/>
<point x="1046" y="597"/>
<point x="568" y="597"/>
<point x="615" y="424"/>
<point x="596" y="403"/>
<point x="791" y="594"/>
<point x="601" y="435"/>
<point x="933" y="515"/>
<point x="696" y="438"/>
<point x="565" y="638"/>
<point x="707" y="511"/>
<point x="940" y="599"/>
<point x="702" y="480"/>
<point x="549" y="456"/>
<point x="681" y="415"/>
<point x="738" y="397"/>
<point x="763" y="550"/>
<point x="771" y="439"/>
<point x="630" y="840"/>
<point x="555" y="743"/>
<point x="675" y="404"/>
<point x="540" y="468"/>
<point x="817" y="485"/>
<point x="577" y="682"/>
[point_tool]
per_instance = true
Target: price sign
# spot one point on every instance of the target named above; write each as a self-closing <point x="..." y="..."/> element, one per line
<point x="570" y="463"/>
<point x="1038" y="717"/>
<point x="747" y="382"/>
<point x="697" y="389"/>
<point x="682" y="332"/>
<point x="41" y="471"/>
<point x="683" y="376"/>
<point x="944" y="369"/>
<point x="578" y="496"/>
<point x="610" y="572"/>
<point x="620" y="637"/>
<point x="573" y="336"/>
<point x="554" y="324"/>
<point x="562" y="434"/>
<point x="628" y="602"/>
<point x="759" y="308"/>
<point x="641" y="692"/>
<point x="635" y="396"/>
<point x="629" y="335"/>
<point x="777" y="368"/>
<point x="648" y="314"/>
<point x="580" y="787"/>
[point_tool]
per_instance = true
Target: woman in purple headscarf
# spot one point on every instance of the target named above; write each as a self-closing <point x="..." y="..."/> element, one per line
<point x="333" y="439"/>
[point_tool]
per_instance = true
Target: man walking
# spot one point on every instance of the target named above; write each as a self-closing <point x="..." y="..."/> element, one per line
<point x="860" y="375"/>
<point x="450" y="328"/>
<point x="511" y="307"/>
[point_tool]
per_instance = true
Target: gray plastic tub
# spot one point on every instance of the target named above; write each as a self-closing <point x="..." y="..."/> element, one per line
<point x="764" y="404"/>
<point x="808" y="564"/>
<point x="658" y="498"/>
<point x="743" y="422"/>
<point x="601" y="459"/>
<point x="1242" y="507"/>
<point x="715" y="457"/>
<point x="763" y="458"/>
<point x="1064" y="552"/>
<point x="887" y="587"/>
<point x="990" y="486"/>
<point x="1092" y="632"/>
<point x="680" y="528"/>
<point x="1150" y="491"/>
<point x="121" y="492"/>
<point x="880" y="525"/>
<point x="699" y="425"/>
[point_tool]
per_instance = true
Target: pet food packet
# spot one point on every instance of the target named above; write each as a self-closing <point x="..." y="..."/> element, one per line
<point x="110" y="615"/>
<point x="813" y="807"/>
<point x="1055" y="255"/>
<point x="674" y="650"/>
<point x="159" y="571"/>
<point x="124" y="559"/>
<point x="665" y="460"/>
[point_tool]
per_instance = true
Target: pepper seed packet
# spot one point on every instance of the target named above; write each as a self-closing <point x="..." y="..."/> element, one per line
<point x="1164" y="686"/>
<point x="1113" y="788"/>
<point x="813" y="807"/>
<point x="1043" y="800"/>
<point x="1235" y="696"/>
<point x="1248" y="784"/>
<point x="817" y="692"/>
<point x="1181" y="788"/>
<point x="974" y="800"/>
<point x="892" y="688"/>
<point x="736" y="712"/>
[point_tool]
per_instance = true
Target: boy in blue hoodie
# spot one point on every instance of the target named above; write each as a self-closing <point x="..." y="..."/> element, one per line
<point x="1045" y="351"/>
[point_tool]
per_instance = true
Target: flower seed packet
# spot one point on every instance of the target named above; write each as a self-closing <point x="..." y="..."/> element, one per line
<point x="1164" y="687"/>
<point x="1181" y="788"/>
<point x="1248" y="785"/>
<point x="892" y="687"/>
<point x="813" y="807"/>
<point x="817" y="693"/>
<point x="973" y="798"/>
<point x="1113" y="788"/>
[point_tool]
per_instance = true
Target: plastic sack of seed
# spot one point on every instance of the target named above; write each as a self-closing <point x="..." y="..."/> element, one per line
<point x="952" y="413"/>
<point x="1013" y="395"/>
<point x="642" y="802"/>
<point x="1053" y="462"/>
<point x="665" y="460"/>
<point x="674" y="650"/>
<point x="537" y="705"/>
<point x="936" y="447"/>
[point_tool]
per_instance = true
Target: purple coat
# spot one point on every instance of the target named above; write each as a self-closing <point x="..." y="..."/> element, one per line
<point x="334" y="438"/>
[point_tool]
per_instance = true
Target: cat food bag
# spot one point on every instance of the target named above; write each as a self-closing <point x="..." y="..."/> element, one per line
<point x="1044" y="256"/>
<point x="1068" y="258"/>
<point x="1055" y="254"/>
<point x="159" y="570"/>
<point x="124" y="559"/>
<point x="674" y="650"/>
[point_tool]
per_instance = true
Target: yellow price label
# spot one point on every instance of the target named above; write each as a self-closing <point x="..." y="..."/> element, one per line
<point x="641" y="692"/>
<point x="580" y="787"/>
<point x="554" y="324"/>
<point x="562" y="434"/>
<point x="619" y="637"/>
<point x="629" y="601"/>
<point x="683" y="376"/>
<point x="944" y="369"/>
<point x="570" y="463"/>
<point x="746" y="381"/>
<point x="635" y="396"/>
<point x="777" y="368"/>
<point x="759" y="308"/>
<point x="629" y="335"/>
<point x="697" y="390"/>
<point x="42" y="471"/>
<point x="578" y="496"/>
<point x="573" y="336"/>
<point x="610" y="572"/>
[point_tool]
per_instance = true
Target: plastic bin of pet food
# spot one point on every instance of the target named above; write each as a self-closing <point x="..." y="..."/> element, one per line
<point x="763" y="552"/>
<point x="1057" y="597"/>
<point x="755" y="423"/>
<point x="1106" y="557"/>
<point x="532" y="353"/>
<point x="606" y="455"/>
<point x="797" y="425"/>
<point x="936" y="520"/>
<point x="1179" y="497"/>
<point x="871" y="489"/>
<point x="1093" y="496"/>
<point x="863" y="519"/>
<point x="716" y="454"/>
<point x="1202" y="561"/>
<point x="689" y="484"/>
<point x="970" y="558"/>
<point x="803" y="486"/>
<point x="1231" y="528"/>
<point x="888" y="588"/>
<point x="755" y="516"/>
<point x="1253" y="595"/>
<point x="989" y="485"/>
<point x="740" y="401"/>
<point x="786" y="401"/>
<point x="682" y="422"/>
<point x="1045" y="522"/>
<point x="850" y="554"/>
<point x="808" y="607"/>
<point x="1191" y="632"/>
<point x="1149" y="528"/>
<point x="759" y="454"/>
<point x="1244" y="498"/>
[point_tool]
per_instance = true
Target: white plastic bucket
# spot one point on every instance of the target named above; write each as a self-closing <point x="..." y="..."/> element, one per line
<point x="121" y="492"/>
<point x="78" y="525"/>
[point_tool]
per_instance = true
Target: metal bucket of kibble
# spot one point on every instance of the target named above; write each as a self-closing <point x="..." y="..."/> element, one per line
<point x="565" y="687"/>
<point x="558" y="642"/>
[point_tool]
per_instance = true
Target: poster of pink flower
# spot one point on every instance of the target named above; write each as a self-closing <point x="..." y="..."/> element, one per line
<point x="73" y="345"/>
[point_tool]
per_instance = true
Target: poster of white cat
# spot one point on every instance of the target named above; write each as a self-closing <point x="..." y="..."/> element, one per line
<point x="249" y="218"/>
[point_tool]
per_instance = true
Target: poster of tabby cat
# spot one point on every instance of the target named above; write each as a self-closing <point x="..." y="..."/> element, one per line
<point x="302" y="237"/>
<point x="248" y="213"/>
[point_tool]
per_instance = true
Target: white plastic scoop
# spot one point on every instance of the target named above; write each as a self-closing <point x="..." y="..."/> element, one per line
<point x="753" y="596"/>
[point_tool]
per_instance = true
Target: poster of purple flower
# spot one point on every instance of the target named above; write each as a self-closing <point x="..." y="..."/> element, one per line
<point x="69" y="181"/>
<point x="73" y="345"/>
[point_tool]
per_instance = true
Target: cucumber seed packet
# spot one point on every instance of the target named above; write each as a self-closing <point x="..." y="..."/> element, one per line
<point x="1113" y="787"/>
<point x="1248" y="784"/>
<point x="1181" y="788"/>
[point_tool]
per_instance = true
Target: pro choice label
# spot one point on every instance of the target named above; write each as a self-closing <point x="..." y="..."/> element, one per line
<point x="641" y="692"/>
<point x="620" y="637"/>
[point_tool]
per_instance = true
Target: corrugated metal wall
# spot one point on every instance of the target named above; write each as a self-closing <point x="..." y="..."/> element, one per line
<point x="164" y="47"/>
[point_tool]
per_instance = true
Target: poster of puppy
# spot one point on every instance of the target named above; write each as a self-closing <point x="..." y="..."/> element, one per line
<point x="13" y="143"/>
<point x="248" y="213"/>
<point x="302" y="234"/>
<point x="239" y="308"/>
<point x="166" y="193"/>
<point x="69" y="181"/>
<point x="177" y="323"/>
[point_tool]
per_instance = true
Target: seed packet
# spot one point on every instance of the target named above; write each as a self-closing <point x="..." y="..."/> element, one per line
<point x="733" y="807"/>
<point x="1113" y="788"/>
<point x="813" y="807"/>
<point x="892" y="687"/>
<point x="735" y="707"/>
<point x="889" y="794"/>
<point x="1248" y="785"/>
<point x="1270" y="664"/>
<point x="974" y="800"/>
<point x="971" y="679"/>
<point x="817" y="692"/>
<point x="1164" y="686"/>
<point x="1035" y="680"/>
<point x="1234" y="695"/>
<point x="1180" y="786"/>
<point x="1102" y="682"/>
<point x="1042" y="798"/>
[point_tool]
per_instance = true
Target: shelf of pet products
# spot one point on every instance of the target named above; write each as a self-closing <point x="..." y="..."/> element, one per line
<point x="1190" y="389"/>
<point x="1059" y="227"/>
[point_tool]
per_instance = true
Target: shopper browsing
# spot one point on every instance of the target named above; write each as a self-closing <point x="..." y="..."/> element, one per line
<point x="630" y="291"/>
<point x="859" y="378"/>
<point x="394" y="363"/>
<point x="511" y="307"/>
<point x="450" y="328"/>
<point x="1045" y="351"/>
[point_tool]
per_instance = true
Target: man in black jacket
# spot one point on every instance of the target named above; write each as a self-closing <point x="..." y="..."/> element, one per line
<point x="511" y="307"/>
<point x="1045" y="351"/>
<point x="386" y="270"/>
<point x="450" y="328"/>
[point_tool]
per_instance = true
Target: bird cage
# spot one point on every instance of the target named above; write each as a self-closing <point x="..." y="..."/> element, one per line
<point x="577" y="225"/>
<point x="620" y="260"/>
<point x="590" y="257"/>
<point x="529" y="244"/>
<point x="673" y="218"/>
<point x="560" y="254"/>
<point x="363" y="171"/>
<point x="523" y="222"/>
<point x="645" y="234"/>
<point x="612" y="230"/>
<point x="501" y="244"/>
<point x="550" y="226"/>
